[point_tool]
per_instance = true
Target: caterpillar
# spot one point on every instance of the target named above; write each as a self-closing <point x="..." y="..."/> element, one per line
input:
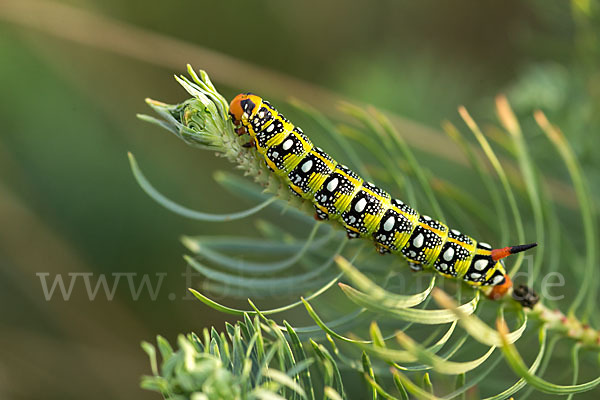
<point x="363" y="209"/>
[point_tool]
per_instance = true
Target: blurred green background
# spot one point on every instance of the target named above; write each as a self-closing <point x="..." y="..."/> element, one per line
<point x="74" y="74"/>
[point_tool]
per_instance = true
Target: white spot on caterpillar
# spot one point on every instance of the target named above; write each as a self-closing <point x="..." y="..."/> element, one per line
<point x="444" y="266"/>
<point x="287" y="144"/>
<point x="481" y="264"/>
<point x="270" y="128"/>
<point x="389" y="224"/>
<point x="448" y="254"/>
<point x="497" y="279"/>
<point x="261" y="114"/>
<point x="418" y="241"/>
<point x="485" y="245"/>
<point x="475" y="275"/>
<point x="426" y="217"/>
<point x="323" y="198"/>
<point x="351" y="219"/>
<point x="333" y="184"/>
<point x="245" y="115"/>
<point x="412" y="254"/>
<point x="307" y="165"/>
<point x="455" y="232"/>
<point x="360" y="205"/>
<point x="275" y="154"/>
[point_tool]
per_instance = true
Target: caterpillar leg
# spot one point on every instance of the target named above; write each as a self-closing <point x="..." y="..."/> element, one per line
<point x="381" y="249"/>
<point x="351" y="234"/>
<point x="415" y="267"/>
<point x="320" y="215"/>
<point x="250" y="144"/>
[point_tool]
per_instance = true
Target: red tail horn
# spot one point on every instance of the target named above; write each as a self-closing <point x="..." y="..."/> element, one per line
<point x="498" y="254"/>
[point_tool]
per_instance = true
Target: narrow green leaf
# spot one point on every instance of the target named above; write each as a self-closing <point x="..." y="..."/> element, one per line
<point x="485" y="178"/>
<point x="335" y="376"/>
<point x="368" y="370"/>
<point x="151" y="351"/>
<point x="412" y="388"/>
<point x="164" y="347"/>
<point x="330" y="393"/>
<point x="407" y="153"/>
<point x="244" y="188"/>
<point x="520" y="384"/>
<point x="473" y="325"/>
<point x="511" y="124"/>
<point x="284" y="380"/>
<point x="575" y="361"/>
<point x="586" y="209"/>
<point x="427" y="317"/>
<point x="264" y="394"/>
<point x="377" y="293"/>
<point x="516" y="363"/>
<point x="378" y="389"/>
<point x="300" y="356"/>
<point x="247" y="245"/>
<point x="249" y="267"/>
<point x="400" y="387"/>
<point x="403" y="356"/>
<point x="340" y="140"/>
<point x="322" y="325"/>
<point x="510" y="195"/>
<point x="213" y="304"/>
<point x="219" y="307"/>
<point x="427" y="385"/>
<point x="389" y="163"/>
<point x="272" y="285"/>
<point x="238" y="355"/>
<point x="343" y="321"/>
<point x="376" y="336"/>
<point x="184" y="211"/>
<point x="460" y="382"/>
<point x="437" y="363"/>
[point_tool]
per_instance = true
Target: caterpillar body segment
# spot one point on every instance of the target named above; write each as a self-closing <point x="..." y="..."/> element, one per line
<point x="363" y="209"/>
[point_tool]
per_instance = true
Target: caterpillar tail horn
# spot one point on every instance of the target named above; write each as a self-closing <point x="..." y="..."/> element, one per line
<point x="500" y="290"/>
<point x="498" y="254"/>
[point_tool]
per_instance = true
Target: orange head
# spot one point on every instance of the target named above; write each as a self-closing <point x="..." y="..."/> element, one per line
<point x="243" y="106"/>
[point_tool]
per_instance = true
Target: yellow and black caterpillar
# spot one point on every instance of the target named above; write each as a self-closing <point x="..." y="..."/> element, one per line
<point x="362" y="208"/>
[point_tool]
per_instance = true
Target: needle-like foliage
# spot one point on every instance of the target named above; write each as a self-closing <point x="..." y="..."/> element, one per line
<point x="404" y="333"/>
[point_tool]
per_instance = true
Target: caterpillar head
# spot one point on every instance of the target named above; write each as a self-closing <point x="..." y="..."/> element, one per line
<point x="243" y="107"/>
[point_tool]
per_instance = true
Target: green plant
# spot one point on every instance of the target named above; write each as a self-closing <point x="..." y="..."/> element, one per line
<point x="399" y="340"/>
<point x="252" y="360"/>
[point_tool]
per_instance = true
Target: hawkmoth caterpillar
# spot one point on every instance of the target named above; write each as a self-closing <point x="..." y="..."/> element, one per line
<point x="364" y="209"/>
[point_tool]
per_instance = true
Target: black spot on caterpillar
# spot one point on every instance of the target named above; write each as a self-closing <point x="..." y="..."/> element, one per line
<point x="363" y="209"/>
